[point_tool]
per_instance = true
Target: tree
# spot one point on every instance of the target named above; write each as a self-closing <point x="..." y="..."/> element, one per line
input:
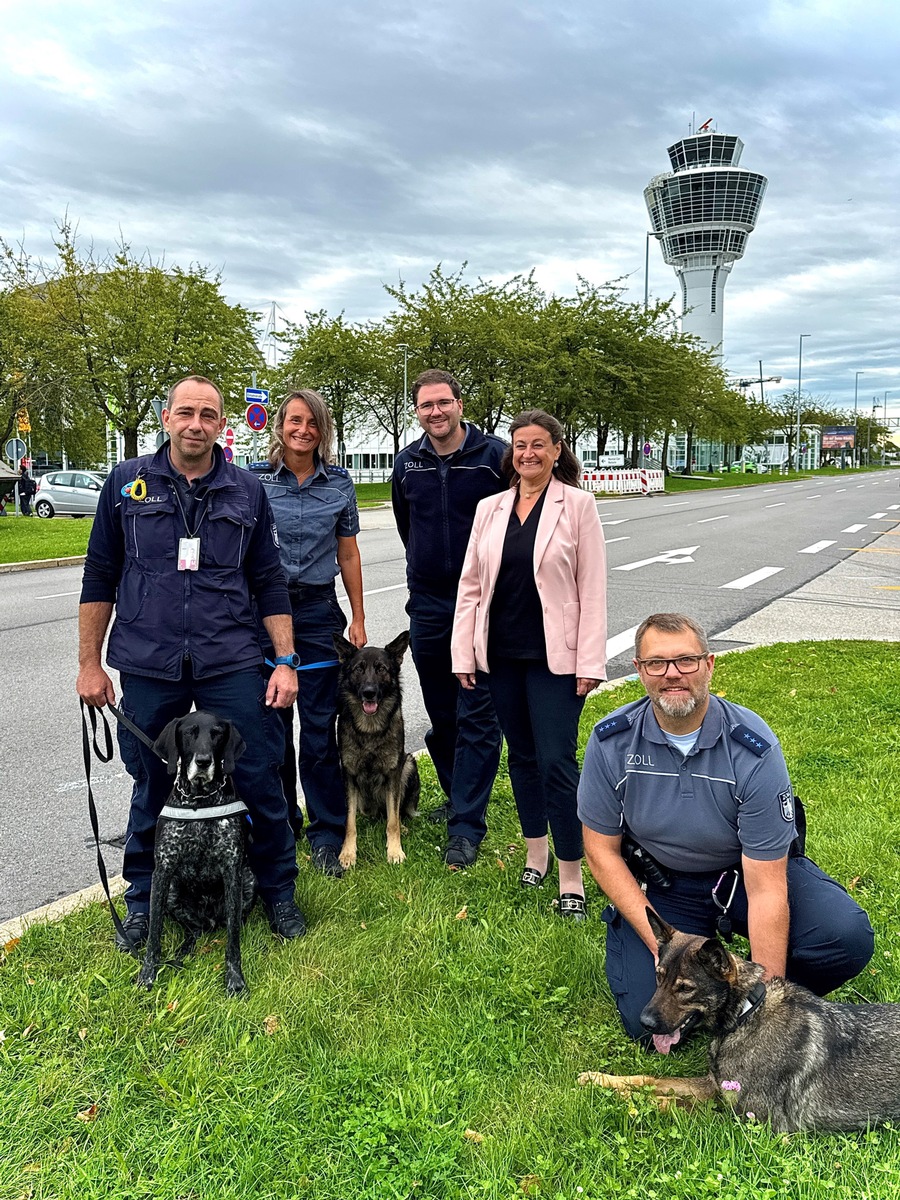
<point x="121" y="330"/>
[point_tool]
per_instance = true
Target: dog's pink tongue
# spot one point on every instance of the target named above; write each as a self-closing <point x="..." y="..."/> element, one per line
<point x="370" y="706"/>
<point x="665" y="1041"/>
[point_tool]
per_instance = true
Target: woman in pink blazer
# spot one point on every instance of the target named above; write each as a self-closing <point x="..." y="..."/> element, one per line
<point x="531" y="615"/>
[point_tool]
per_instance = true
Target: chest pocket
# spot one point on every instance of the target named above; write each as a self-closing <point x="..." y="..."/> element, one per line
<point x="225" y="533"/>
<point x="150" y="533"/>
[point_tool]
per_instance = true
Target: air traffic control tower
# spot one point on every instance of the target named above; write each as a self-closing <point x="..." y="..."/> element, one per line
<point x="702" y="212"/>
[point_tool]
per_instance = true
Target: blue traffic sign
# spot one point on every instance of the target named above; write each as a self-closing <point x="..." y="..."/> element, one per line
<point x="256" y="395"/>
<point x="257" y="416"/>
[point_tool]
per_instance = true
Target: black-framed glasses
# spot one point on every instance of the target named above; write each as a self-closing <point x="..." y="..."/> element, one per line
<point x="444" y="404"/>
<point x="686" y="664"/>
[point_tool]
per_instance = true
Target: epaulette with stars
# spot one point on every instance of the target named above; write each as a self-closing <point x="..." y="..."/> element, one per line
<point x="610" y="726"/>
<point x="334" y="469"/>
<point x="751" y="739"/>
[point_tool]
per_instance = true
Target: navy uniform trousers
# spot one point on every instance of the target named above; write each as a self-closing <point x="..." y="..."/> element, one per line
<point x="464" y="738"/>
<point x="239" y="696"/>
<point x="830" y="938"/>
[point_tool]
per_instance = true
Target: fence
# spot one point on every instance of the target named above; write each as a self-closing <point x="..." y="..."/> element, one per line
<point x="623" y="483"/>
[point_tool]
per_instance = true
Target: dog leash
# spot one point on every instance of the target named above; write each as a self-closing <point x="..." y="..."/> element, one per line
<point x="104" y="755"/>
<point x="328" y="662"/>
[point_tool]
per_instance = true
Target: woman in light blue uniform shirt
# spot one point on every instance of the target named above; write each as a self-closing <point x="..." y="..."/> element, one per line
<point x="314" y="502"/>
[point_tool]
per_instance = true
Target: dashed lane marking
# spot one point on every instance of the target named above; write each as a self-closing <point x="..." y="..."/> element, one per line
<point x="754" y="577"/>
<point x="815" y="547"/>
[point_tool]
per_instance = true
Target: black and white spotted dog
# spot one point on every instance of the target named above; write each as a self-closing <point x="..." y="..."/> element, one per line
<point x="200" y="878"/>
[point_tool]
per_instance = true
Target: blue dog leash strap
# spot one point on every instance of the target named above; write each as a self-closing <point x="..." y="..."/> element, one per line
<point x="328" y="662"/>
<point x="104" y="756"/>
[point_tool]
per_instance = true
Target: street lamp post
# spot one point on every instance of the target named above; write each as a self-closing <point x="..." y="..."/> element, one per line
<point x="855" y="419"/>
<point x="405" y="348"/>
<point x="875" y="405"/>
<point x="799" y="391"/>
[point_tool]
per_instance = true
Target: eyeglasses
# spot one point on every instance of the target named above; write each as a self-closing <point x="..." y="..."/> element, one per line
<point x="444" y="405"/>
<point x="687" y="664"/>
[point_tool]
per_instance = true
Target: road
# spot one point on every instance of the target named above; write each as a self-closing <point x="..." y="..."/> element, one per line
<point x="720" y="556"/>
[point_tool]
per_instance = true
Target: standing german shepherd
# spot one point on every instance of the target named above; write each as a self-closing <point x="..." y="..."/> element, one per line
<point x="381" y="779"/>
<point x="777" y="1051"/>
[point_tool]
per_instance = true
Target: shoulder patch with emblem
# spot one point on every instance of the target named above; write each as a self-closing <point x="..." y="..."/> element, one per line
<point x="610" y="726"/>
<point x="334" y="469"/>
<point x="754" y="741"/>
<point x="786" y="800"/>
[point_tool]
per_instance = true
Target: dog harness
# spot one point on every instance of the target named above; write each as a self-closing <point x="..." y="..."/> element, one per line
<point x="235" y="808"/>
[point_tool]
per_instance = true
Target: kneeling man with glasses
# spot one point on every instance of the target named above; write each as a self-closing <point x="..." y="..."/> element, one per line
<point x="688" y="808"/>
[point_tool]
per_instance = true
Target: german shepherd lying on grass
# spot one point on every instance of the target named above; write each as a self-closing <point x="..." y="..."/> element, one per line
<point x="381" y="779"/>
<point x="778" y="1052"/>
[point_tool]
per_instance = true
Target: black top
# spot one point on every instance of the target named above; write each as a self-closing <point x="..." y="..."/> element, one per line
<point x="516" y="625"/>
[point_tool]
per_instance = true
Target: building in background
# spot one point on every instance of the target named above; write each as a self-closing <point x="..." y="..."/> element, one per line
<point x="702" y="212"/>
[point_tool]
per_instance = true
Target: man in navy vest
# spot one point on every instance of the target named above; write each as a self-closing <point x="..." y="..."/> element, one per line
<point x="182" y="546"/>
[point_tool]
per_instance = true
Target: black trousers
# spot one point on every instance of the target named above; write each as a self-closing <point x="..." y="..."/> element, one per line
<point x="539" y="714"/>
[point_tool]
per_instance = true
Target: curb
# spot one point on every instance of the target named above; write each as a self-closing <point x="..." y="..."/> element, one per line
<point x="37" y="564"/>
<point x="16" y="926"/>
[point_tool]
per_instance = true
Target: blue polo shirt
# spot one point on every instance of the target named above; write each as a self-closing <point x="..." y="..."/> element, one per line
<point x="310" y="517"/>
<point x="730" y="795"/>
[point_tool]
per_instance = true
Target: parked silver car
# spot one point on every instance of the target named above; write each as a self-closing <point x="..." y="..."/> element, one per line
<point x="67" y="493"/>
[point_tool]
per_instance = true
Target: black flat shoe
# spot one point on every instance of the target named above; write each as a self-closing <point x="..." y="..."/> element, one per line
<point x="572" y="906"/>
<point x="531" y="876"/>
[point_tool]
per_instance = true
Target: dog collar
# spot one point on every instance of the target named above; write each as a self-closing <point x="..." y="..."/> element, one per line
<point x="233" y="809"/>
<point x="752" y="1001"/>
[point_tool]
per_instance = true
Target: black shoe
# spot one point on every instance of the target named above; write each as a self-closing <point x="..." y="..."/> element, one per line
<point x="325" y="859"/>
<point x="460" y="853"/>
<point x="531" y="876"/>
<point x="135" y="928"/>
<point x="572" y="906"/>
<point x="286" y="919"/>
<point x="438" y="815"/>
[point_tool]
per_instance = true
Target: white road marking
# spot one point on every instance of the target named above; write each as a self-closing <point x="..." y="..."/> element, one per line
<point x="814" y="496"/>
<point x="706" y="520"/>
<point x="754" y="577"/>
<point x="780" y="504"/>
<point x="860" y="485"/>
<point x="840" y="490"/>
<point x="853" y="529"/>
<point x="815" y="547"/>
<point x="667" y="556"/>
<point x="876" y="516"/>
<point x="891" y="507"/>
<point x="619" y="643"/>
<point x="395" y="587"/>
<point x="770" y="489"/>
<point x="53" y="595"/>
<point x="675" y="503"/>
<point x="621" y="521"/>
<point x="626" y="538"/>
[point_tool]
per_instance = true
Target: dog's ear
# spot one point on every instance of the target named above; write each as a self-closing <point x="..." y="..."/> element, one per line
<point x="344" y="649"/>
<point x="166" y="746"/>
<point x="234" y="748"/>
<point x="661" y="931"/>
<point x="714" y="958"/>
<point x="397" y="648"/>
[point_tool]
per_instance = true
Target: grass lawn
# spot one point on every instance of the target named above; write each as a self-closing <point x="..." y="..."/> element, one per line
<point x="27" y="539"/>
<point x="424" y="1038"/>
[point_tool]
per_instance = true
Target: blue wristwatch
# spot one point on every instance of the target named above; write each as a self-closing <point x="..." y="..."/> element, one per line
<point x="288" y="660"/>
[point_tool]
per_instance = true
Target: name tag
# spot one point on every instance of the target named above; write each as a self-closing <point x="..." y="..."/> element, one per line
<point x="188" y="554"/>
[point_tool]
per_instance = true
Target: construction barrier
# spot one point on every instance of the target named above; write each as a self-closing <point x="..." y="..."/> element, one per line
<point x="624" y="482"/>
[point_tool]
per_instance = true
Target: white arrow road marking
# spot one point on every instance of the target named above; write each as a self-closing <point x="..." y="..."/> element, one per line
<point x="619" y="643"/>
<point x="815" y="547"/>
<point x="706" y="520"/>
<point x="754" y="577"/>
<point x="853" y="529"/>
<point x="667" y="556"/>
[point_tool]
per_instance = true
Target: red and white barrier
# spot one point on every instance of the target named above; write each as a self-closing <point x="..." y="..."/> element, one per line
<point x="636" y="481"/>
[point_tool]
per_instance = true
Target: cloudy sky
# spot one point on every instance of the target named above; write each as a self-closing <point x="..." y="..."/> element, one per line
<point x="313" y="151"/>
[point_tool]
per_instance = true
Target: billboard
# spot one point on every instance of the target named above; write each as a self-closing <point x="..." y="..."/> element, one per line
<point x="838" y="437"/>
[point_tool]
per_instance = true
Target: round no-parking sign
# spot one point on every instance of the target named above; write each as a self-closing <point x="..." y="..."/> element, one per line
<point x="257" y="416"/>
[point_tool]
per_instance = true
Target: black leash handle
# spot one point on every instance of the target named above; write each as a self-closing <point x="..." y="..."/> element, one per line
<point x="104" y="756"/>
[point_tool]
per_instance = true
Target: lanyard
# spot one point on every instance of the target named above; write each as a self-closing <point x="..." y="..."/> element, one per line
<point x="192" y="533"/>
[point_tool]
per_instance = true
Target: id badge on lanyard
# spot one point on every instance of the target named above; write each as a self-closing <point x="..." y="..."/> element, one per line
<point x="189" y="554"/>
